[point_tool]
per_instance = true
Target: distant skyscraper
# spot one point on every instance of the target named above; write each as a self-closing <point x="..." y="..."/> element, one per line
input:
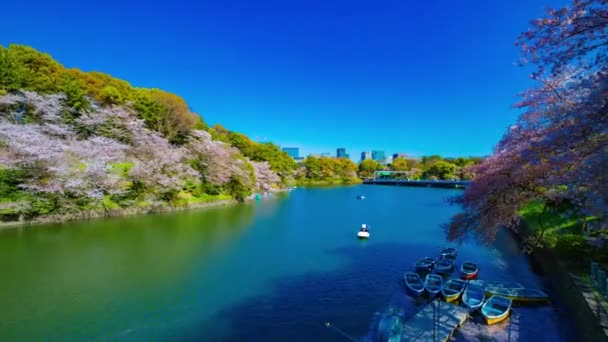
<point x="366" y="155"/>
<point x="399" y="155"/>
<point x="341" y="153"/>
<point x="379" y="156"/>
<point x="388" y="160"/>
<point x="293" y="152"/>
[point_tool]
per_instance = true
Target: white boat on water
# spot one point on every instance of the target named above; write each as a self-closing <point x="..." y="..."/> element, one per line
<point x="363" y="232"/>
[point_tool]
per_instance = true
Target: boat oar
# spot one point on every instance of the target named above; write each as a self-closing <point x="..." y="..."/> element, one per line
<point x="340" y="331"/>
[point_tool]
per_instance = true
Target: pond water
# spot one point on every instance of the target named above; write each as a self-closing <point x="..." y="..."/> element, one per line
<point x="272" y="270"/>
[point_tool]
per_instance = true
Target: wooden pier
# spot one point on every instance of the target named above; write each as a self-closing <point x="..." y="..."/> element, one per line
<point x="436" y="321"/>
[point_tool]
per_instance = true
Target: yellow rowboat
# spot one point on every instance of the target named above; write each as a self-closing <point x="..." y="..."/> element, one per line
<point x="518" y="295"/>
<point x="496" y="309"/>
<point x="492" y="283"/>
<point x="452" y="289"/>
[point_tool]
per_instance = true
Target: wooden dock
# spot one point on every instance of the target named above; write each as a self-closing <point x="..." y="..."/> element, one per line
<point x="434" y="322"/>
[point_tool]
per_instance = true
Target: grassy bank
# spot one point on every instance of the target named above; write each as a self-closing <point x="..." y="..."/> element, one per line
<point x="112" y="210"/>
<point x="564" y="234"/>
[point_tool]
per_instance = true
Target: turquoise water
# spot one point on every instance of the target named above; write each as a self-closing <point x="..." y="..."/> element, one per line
<point x="275" y="269"/>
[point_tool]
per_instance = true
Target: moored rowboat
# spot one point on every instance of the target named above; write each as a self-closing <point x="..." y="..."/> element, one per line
<point x="444" y="266"/>
<point x="452" y="289"/>
<point x="449" y="252"/>
<point x="425" y="264"/>
<point x="498" y="284"/>
<point x="496" y="309"/>
<point x="413" y="283"/>
<point x="433" y="284"/>
<point x="522" y="295"/>
<point x="469" y="270"/>
<point x="473" y="297"/>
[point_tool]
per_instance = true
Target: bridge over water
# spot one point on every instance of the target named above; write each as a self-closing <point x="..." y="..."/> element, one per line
<point x="385" y="178"/>
<point x="428" y="183"/>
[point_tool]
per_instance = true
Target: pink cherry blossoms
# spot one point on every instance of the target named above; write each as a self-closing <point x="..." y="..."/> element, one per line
<point x="107" y="153"/>
<point x="558" y="149"/>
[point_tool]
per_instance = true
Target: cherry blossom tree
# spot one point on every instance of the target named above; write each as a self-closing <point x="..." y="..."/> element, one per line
<point x="558" y="149"/>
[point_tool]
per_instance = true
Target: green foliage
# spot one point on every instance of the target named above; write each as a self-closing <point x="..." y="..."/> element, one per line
<point x="22" y="67"/>
<point x="280" y="162"/>
<point x="166" y="113"/>
<point x="329" y="170"/>
<point x="237" y="188"/>
<point x="368" y="167"/>
<point x="76" y="95"/>
<point x="441" y="170"/>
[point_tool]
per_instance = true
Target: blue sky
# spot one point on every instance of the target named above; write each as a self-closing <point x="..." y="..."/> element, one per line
<point x="424" y="77"/>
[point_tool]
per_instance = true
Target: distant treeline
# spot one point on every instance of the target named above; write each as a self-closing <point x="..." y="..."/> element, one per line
<point x="428" y="167"/>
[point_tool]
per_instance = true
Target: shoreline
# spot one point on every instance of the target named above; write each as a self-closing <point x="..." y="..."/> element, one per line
<point x="587" y="326"/>
<point x="126" y="212"/>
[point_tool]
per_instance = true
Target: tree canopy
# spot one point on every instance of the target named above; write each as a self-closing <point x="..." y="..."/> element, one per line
<point x="557" y="151"/>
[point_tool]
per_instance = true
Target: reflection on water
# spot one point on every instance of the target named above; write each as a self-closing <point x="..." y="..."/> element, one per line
<point x="86" y="272"/>
<point x="270" y="270"/>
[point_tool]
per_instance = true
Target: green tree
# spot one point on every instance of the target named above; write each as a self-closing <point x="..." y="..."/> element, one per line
<point x="442" y="170"/>
<point x="22" y="67"/>
<point x="76" y="95"/>
<point x="368" y="167"/>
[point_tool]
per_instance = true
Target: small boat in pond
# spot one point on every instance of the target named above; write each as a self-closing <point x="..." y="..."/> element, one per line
<point x="363" y="232"/>
<point x="425" y="264"/>
<point x="449" y="252"/>
<point x="414" y="284"/>
<point x="473" y="297"/>
<point x="452" y="289"/>
<point x="496" y="284"/>
<point x="360" y="197"/>
<point x="520" y="295"/>
<point x="469" y="270"/>
<point x="444" y="266"/>
<point x="496" y="309"/>
<point x="433" y="284"/>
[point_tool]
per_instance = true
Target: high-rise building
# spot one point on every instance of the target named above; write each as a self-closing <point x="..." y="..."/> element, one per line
<point x="293" y="152"/>
<point x="379" y="156"/>
<point x="388" y="160"/>
<point x="399" y="155"/>
<point x="366" y="156"/>
<point x="341" y="153"/>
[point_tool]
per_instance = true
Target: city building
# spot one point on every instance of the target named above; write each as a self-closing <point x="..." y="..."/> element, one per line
<point x="293" y="152"/>
<point x="379" y="156"/>
<point x="366" y="156"/>
<point x="341" y="153"/>
<point x="388" y="160"/>
<point x="400" y="155"/>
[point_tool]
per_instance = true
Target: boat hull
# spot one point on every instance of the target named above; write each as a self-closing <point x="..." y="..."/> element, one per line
<point x="363" y="235"/>
<point x="490" y="321"/>
<point x="414" y="286"/>
<point x="432" y="285"/>
<point x="518" y="295"/>
<point x="451" y="298"/>
<point x="453" y="289"/>
<point x="473" y="297"/>
<point x="496" y="309"/>
<point x="469" y="276"/>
